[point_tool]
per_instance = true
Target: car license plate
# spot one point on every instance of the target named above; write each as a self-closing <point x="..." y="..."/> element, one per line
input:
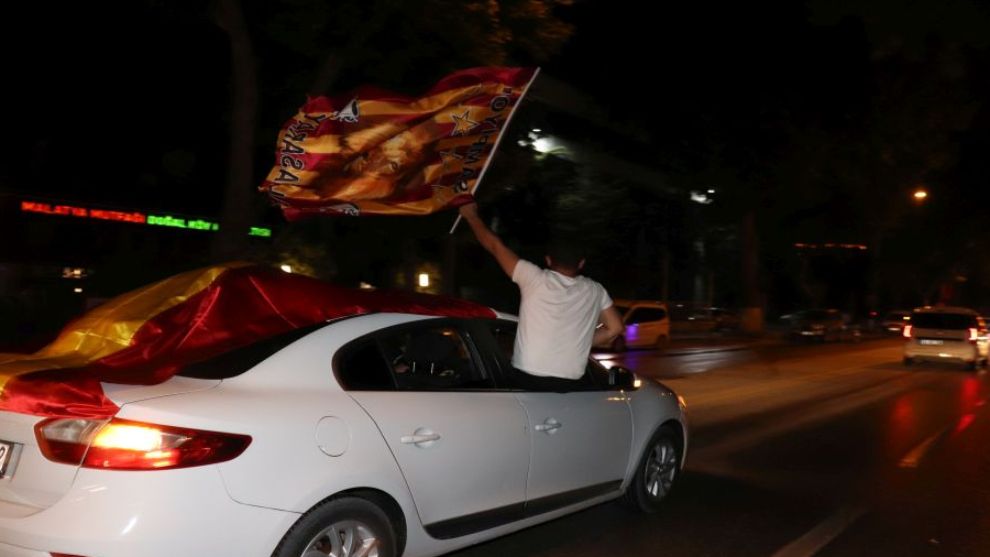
<point x="6" y="450"/>
<point x="931" y="342"/>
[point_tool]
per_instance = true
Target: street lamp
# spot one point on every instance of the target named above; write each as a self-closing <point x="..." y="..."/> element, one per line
<point x="543" y="145"/>
<point x="920" y="195"/>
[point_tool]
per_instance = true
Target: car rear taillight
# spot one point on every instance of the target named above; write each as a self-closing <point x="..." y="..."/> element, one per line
<point x="125" y="445"/>
<point x="66" y="440"/>
<point x="974" y="335"/>
<point x="907" y="331"/>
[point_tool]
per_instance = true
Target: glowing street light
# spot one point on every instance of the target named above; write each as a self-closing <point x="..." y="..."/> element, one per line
<point x="543" y="145"/>
<point x="920" y="195"/>
<point x="424" y="280"/>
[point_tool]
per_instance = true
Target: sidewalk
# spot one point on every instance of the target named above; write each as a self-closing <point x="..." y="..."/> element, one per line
<point x="727" y="342"/>
<point x="702" y="344"/>
<point x="705" y="343"/>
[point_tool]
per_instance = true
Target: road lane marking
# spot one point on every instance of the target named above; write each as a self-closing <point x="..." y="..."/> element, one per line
<point x="823" y="534"/>
<point x="913" y="458"/>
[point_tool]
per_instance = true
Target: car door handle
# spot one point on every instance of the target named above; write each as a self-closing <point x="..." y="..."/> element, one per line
<point x="417" y="439"/>
<point x="549" y="426"/>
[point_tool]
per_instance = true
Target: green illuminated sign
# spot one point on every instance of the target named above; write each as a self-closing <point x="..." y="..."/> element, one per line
<point x="175" y="222"/>
<point x="200" y="224"/>
<point x="132" y="217"/>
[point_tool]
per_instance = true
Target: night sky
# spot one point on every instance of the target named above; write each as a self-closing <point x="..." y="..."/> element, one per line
<point x="127" y="104"/>
<point x="822" y="116"/>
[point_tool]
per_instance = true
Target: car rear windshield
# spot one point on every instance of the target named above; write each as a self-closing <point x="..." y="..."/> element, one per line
<point x="239" y="360"/>
<point x="943" y="321"/>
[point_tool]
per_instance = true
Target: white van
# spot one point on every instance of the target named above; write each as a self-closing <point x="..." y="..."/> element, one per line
<point x="946" y="333"/>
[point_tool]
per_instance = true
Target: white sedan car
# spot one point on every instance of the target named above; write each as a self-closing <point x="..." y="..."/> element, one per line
<point x="376" y="435"/>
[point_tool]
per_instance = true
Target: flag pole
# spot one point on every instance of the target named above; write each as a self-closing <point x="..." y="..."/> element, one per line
<point x="497" y="142"/>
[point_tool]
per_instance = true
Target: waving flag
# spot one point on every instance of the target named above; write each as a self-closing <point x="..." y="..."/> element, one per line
<point x="148" y="335"/>
<point x="375" y="152"/>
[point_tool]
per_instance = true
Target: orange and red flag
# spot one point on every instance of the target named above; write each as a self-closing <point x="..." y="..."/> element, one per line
<point x="146" y="336"/>
<point x="376" y="152"/>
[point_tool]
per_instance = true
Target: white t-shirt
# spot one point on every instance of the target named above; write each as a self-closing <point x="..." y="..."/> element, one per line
<point x="557" y="319"/>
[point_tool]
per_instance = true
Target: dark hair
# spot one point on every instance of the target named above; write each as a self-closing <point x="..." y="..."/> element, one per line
<point x="565" y="253"/>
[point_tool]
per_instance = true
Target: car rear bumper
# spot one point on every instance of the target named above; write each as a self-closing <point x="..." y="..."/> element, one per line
<point x="953" y="351"/>
<point x="148" y="514"/>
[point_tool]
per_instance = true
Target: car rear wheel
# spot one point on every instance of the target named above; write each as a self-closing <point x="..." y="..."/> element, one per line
<point x="655" y="474"/>
<point x="908" y="361"/>
<point x="661" y="342"/>
<point x="346" y="527"/>
<point x="971" y="366"/>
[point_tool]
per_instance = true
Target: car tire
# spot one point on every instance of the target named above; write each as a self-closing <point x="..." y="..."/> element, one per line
<point x="908" y="361"/>
<point x="619" y="344"/>
<point x="340" y="527"/>
<point x="661" y="342"/>
<point x="972" y="366"/>
<point x="655" y="473"/>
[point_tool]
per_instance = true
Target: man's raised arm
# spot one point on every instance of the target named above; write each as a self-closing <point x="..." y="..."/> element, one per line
<point x="506" y="258"/>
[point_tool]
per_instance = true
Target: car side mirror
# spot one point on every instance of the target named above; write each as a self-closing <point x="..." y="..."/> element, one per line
<point x="621" y="378"/>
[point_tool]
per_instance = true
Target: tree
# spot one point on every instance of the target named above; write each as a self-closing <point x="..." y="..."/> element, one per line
<point x="236" y="215"/>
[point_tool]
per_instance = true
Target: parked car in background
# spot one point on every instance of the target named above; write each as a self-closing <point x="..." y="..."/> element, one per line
<point x="725" y="320"/>
<point x="688" y="318"/>
<point x="822" y="325"/>
<point x="894" y="321"/>
<point x="946" y="334"/>
<point x="647" y="325"/>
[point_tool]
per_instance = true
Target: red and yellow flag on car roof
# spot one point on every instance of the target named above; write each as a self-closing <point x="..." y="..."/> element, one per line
<point x="375" y="152"/>
<point x="146" y="336"/>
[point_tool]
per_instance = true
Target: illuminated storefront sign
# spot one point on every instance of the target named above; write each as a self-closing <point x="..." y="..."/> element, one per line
<point x="131" y="217"/>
